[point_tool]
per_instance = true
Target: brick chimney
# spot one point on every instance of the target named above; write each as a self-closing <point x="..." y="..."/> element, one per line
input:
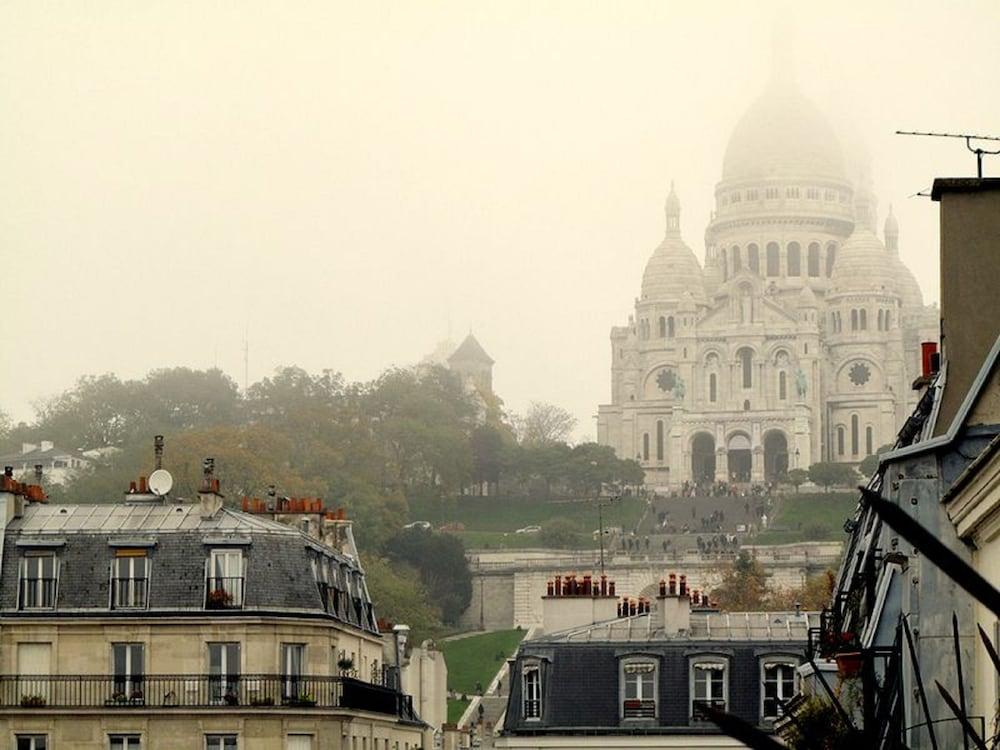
<point x="675" y="605"/>
<point x="571" y="601"/>
<point x="209" y="495"/>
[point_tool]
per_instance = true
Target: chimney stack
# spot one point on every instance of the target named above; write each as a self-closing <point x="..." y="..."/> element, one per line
<point x="675" y="606"/>
<point x="209" y="495"/>
<point x="11" y="497"/>
<point x="571" y="602"/>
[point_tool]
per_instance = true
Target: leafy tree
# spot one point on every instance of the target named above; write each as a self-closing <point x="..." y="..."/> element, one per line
<point x="440" y="560"/>
<point x="487" y="445"/>
<point x="797" y="477"/>
<point x="870" y="463"/>
<point x="743" y="587"/>
<point x="400" y="596"/>
<point x="828" y="474"/>
<point x="545" y="423"/>
<point x="561" y="533"/>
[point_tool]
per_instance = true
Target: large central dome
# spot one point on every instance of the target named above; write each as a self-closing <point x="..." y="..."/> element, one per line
<point x="783" y="134"/>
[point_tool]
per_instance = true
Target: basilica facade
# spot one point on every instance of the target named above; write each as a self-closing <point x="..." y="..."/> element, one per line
<point x="798" y="338"/>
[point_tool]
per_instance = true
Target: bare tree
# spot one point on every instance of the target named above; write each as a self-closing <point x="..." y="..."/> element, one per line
<point x="544" y="423"/>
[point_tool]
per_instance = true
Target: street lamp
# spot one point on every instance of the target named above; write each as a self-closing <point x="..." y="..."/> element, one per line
<point x="399" y="635"/>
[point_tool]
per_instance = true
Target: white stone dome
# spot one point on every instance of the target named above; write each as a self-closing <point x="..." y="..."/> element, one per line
<point x="910" y="294"/>
<point x="672" y="269"/>
<point x="863" y="265"/>
<point x="783" y="134"/>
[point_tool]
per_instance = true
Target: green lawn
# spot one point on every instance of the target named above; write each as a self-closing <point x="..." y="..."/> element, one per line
<point x="813" y="517"/>
<point x="456" y="708"/>
<point x="500" y="515"/>
<point x="478" y="658"/>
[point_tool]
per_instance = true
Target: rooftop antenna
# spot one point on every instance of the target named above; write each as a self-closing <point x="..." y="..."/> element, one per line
<point x="969" y="138"/>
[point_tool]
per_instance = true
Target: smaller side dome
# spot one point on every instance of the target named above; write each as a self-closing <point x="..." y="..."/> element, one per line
<point x="673" y="268"/>
<point x="863" y="265"/>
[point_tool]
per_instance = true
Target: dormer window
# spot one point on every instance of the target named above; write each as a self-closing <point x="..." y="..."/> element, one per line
<point x="531" y="691"/>
<point x="224" y="584"/>
<point x="129" y="579"/>
<point x="780" y="683"/>
<point x="39" y="577"/>
<point x="638" y="688"/>
<point x="709" y="685"/>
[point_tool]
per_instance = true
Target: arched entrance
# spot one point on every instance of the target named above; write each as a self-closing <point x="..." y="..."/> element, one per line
<point x="775" y="455"/>
<point x="740" y="460"/>
<point x="703" y="458"/>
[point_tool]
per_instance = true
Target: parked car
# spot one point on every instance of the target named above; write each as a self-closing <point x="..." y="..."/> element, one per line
<point x="529" y="530"/>
<point x="425" y="525"/>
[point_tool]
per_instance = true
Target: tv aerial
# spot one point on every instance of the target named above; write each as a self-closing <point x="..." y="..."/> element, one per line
<point x="160" y="482"/>
<point x="969" y="138"/>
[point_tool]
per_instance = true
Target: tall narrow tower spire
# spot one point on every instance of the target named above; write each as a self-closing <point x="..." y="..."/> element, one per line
<point x="672" y="209"/>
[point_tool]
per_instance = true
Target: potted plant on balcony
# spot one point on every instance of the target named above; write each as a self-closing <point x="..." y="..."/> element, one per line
<point x="33" y="701"/>
<point x="345" y="664"/>
<point x="137" y="698"/>
<point x="231" y="699"/>
<point x="219" y="599"/>
<point x="118" y="698"/>
<point x="306" y="700"/>
<point x="265" y="701"/>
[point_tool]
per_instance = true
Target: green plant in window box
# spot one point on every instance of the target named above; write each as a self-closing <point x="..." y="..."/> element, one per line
<point x="231" y="699"/>
<point x="345" y="664"/>
<point x="33" y="701"/>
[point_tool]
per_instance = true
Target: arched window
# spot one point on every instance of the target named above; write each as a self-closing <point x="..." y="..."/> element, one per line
<point x="753" y="257"/>
<point x="670" y="327"/>
<point x="863" y="315"/>
<point x="737" y="265"/>
<point x="794" y="259"/>
<point x="854" y="434"/>
<point x="887" y="319"/>
<point x="725" y="266"/>
<point x="869" y="441"/>
<point x="854" y="320"/>
<point x="663" y="327"/>
<point x="782" y="386"/>
<point x="713" y="391"/>
<point x="773" y="259"/>
<point x="831" y="256"/>
<point x="840" y="441"/>
<point x="880" y="318"/>
<point x="746" y="363"/>
<point x="645" y="446"/>
<point x="659" y="440"/>
<point x="746" y="405"/>
<point x="814" y="259"/>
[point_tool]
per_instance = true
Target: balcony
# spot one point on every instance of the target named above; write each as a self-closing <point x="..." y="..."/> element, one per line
<point x="639" y="709"/>
<point x="230" y="692"/>
<point x="129" y="593"/>
<point x="224" y="593"/>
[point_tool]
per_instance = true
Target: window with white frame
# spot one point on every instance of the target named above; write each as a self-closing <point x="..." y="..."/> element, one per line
<point x="531" y="691"/>
<point x="225" y="579"/>
<point x="779" y="681"/>
<point x="129" y="579"/>
<point x="224" y="672"/>
<point x="39" y="575"/>
<point x="124" y="742"/>
<point x="221" y="742"/>
<point x="292" y="658"/>
<point x="127" y="664"/>
<point x="638" y="688"/>
<point x="709" y="685"/>
<point x="31" y="742"/>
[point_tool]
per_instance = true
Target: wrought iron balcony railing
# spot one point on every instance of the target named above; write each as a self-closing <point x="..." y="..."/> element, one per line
<point x="234" y="692"/>
<point x="38" y="593"/>
<point x="224" y="593"/>
<point x="639" y="709"/>
<point x="129" y="593"/>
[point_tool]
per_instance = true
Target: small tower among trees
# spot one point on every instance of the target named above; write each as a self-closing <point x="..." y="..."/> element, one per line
<point x="473" y="365"/>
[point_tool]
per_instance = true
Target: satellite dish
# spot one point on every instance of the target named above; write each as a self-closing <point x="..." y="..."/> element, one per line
<point x="160" y="482"/>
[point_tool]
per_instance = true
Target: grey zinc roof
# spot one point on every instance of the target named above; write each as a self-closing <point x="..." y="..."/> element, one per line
<point x="705" y="626"/>
<point x="278" y="560"/>
<point x="153" y="517"/>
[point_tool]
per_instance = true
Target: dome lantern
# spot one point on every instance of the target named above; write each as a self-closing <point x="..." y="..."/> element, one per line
<point x="672" y="210"/>
<point x="891" y="232"/>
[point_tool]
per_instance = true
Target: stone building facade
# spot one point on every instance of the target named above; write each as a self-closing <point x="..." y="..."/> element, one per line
<point x="798" y="338"/>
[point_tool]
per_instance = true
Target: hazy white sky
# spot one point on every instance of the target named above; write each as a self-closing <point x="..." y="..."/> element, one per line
<point x="351" y="180"/>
